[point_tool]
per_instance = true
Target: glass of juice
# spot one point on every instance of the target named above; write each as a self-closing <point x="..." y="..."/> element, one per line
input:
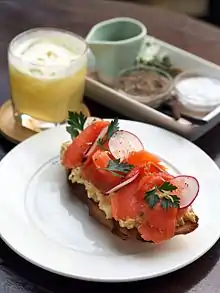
<point x="47" y="69"/>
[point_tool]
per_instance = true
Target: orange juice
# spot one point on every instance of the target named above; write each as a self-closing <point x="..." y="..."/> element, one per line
<point x="47" y="71"/>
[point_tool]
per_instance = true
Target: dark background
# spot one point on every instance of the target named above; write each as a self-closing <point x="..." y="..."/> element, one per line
<point x="213" y="14"/>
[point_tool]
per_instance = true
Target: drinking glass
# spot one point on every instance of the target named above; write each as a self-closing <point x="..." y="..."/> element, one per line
<point x="47" y="69"/>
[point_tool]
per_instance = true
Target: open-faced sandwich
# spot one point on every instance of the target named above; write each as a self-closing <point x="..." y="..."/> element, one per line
<point x="125" y="187"/>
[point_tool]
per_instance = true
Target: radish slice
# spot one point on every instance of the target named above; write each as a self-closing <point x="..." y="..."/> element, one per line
<point x="189" y="187"/>
<point x="90" y="120"/>
<point x="93" y="147"/>
<point x="89" y="146"/>
<point x="122" y="143"/>
<point x="127" y="181"/>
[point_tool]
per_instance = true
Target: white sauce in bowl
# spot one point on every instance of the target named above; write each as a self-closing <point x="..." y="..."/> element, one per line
<point x="199" y="91"/>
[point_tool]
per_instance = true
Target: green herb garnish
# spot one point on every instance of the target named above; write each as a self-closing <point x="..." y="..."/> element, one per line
<point x="115" y="166"/>
<point x="170" y="202"/>
<point x="164" y="64"/>
<point x="112" y="128"/>
<point x="75" y="123"/>
<point x="167" y="186"/>
<point x="152" y="198"/>
<point x="100" y="143"/>
<point x="162" y="194"/>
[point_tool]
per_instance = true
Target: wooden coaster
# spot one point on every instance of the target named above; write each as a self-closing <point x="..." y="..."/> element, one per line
<point x="12" y="130"/>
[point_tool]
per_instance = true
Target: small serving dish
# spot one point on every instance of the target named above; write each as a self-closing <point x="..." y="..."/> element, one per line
<point x="148" y="85"/>
<point x="198" y="91"/>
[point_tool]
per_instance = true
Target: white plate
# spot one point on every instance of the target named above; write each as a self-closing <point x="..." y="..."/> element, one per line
<point x="45" y="225"/>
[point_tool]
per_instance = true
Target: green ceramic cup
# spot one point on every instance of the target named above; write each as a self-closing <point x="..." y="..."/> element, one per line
<point x="115" y="43"/>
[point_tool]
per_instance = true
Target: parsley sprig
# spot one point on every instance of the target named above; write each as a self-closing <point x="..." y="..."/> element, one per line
<point x="75" y="123"/>
<point x="118" y="168"/>
<point x="112" y="128"/>
<point x="163" y="195"/>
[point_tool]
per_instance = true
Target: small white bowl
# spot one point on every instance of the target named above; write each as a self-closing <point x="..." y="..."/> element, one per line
<point x="197" y="91"/>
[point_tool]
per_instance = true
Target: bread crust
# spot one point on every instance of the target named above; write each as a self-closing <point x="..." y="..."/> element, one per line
<point x="80" y="192"/>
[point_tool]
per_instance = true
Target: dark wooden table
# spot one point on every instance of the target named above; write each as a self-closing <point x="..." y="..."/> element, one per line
<point x="17" y="275"/>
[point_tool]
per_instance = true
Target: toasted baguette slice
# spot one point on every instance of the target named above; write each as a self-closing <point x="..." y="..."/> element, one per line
<point x="80" y="192"/>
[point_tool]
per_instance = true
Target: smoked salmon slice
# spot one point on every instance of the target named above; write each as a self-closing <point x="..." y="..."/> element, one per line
<point x="124" y="202"/>
<point x="144" y="158"/>
<point x="157" y="224"/>
<point x="73" y="156"/>
<point x="93" y="171"/>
